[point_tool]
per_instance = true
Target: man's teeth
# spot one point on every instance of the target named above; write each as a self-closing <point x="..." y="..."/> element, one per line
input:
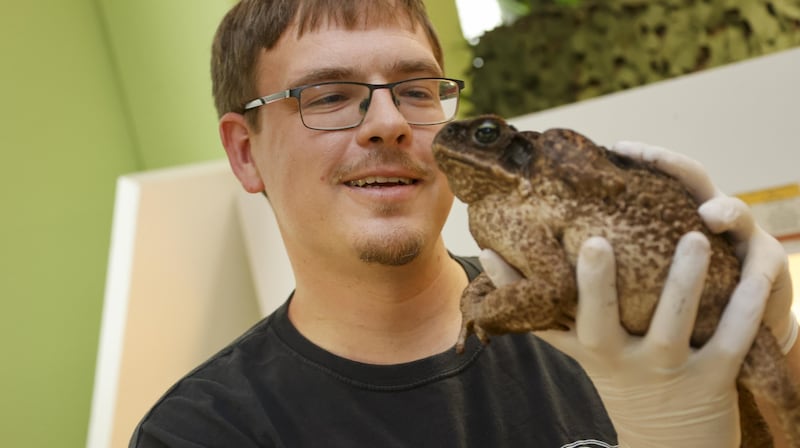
<point x="379" y="180"/>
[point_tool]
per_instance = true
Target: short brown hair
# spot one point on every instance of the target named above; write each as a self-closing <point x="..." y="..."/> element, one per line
<point x="253" y="25"/>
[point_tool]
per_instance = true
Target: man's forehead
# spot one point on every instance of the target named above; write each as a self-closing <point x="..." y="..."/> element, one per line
<point x="335" y="53"/>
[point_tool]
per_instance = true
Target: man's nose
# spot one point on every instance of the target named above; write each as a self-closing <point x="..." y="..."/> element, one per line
<point x="383" y="121"/>
<point x="379" y="93"/>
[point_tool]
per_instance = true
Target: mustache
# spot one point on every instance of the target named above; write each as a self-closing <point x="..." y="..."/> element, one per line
<point x="382" y="158"/>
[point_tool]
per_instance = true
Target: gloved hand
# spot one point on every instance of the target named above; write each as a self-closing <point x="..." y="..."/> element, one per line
<point x="763" y="255"/>
<point x="657" y="390"/>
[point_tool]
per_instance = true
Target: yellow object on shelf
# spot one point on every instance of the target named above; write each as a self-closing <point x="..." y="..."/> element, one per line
<point x="777" y="210"/>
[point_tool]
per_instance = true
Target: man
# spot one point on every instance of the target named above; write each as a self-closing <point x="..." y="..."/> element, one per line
<point x="329" y="108"/>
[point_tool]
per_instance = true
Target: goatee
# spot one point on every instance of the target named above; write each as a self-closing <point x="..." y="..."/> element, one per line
<point x="396" y="249"/>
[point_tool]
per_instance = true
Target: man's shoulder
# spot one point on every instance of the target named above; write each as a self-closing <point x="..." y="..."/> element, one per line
<point x="242" y="350"/>
<point x="223" y="381"/>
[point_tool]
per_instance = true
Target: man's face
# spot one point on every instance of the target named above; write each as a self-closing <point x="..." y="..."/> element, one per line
<point x="334" y="192"/>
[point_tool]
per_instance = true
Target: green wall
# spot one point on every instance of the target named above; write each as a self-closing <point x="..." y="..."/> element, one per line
<point x="162" y="51"/>
<point x="90" y="89"/>
<point x="64" y="139"/>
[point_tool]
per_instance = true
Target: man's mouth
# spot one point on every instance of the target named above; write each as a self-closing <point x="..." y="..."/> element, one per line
<point x="380" y="181"/>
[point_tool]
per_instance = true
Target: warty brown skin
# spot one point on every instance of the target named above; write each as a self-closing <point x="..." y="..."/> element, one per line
<point x="534" y="198"/>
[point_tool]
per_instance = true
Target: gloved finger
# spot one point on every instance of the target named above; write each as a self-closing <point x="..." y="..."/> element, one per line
<point x="500" y="272"/>
<point x="737" y="328"/>
<point x="763" y="256"/>
<point x="766" y="259"/>
<point x="597" y="322"/>
<point x="728" y="214"/>
<point x="778" y="314"/>
<point x="688" y="171"/>
<point x="671" y="328"/>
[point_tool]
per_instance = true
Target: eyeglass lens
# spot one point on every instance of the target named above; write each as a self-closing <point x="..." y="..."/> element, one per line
<point x="342" y="105"/>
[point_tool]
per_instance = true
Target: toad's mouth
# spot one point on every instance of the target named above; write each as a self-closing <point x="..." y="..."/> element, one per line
<point x="445" y="155"/>
<point x="381" y="182"/>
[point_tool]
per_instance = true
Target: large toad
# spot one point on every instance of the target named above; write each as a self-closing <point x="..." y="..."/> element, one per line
<point x="534" y="198"/>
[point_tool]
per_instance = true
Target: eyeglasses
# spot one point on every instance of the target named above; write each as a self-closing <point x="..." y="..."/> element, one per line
<point x="330" y="106"/>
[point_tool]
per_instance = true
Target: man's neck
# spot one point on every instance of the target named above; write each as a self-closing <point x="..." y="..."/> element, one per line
<point x="383" y="315"/>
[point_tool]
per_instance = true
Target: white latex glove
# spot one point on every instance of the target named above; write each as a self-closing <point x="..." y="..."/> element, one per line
<point x="657" y="390"/>
<point x="763" y="255"/>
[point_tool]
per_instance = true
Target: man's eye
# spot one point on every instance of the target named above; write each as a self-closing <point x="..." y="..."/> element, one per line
<point x="327" y="100"/>
<point x="417" y="94"/>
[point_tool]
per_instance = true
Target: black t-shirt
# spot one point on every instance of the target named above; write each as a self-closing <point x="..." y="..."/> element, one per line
<point x="274" y="388"/>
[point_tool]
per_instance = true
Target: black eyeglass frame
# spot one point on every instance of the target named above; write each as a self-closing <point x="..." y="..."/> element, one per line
<point x="296" y="91"/>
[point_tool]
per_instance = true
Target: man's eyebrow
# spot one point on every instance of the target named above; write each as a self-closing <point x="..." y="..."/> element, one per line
<point x="402" y="67"/>
<point x="324" y="74"/>
<point x="420" y="66"/>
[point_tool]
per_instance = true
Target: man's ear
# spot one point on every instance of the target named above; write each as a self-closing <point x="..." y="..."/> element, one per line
<point x="235" y="134"/>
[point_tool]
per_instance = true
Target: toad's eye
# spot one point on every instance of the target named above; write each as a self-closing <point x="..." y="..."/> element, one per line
<point x="487" y="133"/>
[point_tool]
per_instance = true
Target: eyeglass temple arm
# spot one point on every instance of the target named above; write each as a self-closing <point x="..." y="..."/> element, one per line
<point x="258" y="102"/>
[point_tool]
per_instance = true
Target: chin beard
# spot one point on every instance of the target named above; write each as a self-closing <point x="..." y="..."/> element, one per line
<point x="396" y="249"/>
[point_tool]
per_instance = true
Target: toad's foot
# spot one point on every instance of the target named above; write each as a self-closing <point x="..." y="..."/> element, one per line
<point x="471" y="310"/>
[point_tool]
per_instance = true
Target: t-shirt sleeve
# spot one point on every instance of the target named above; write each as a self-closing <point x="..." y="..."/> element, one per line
<point x="198" y="413"/>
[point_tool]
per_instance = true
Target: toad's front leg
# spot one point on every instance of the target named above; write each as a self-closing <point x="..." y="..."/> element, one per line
<point x="538" y="303"/>
<point x="472" y="310"/>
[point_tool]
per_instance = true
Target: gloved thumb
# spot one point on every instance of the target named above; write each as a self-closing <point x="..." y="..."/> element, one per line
<point x="500" y="272"/>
